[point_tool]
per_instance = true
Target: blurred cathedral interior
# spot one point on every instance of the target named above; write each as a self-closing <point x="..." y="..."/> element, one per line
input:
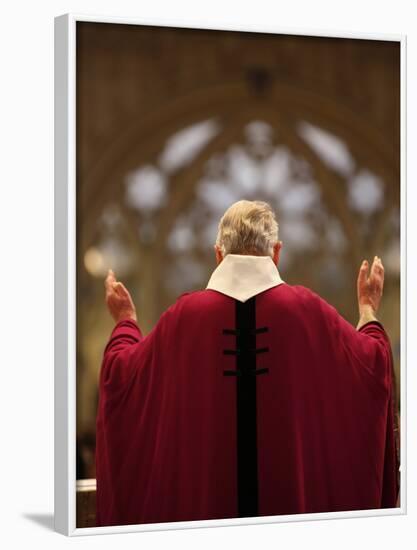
<point x="176" y="124"/>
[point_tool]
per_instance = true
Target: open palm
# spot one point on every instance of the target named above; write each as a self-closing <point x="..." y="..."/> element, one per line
<point x="370" y="284"/>
<point x="118" y="299"/>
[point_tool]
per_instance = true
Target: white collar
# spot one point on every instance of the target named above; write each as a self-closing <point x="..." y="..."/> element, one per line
<point x="243" y="276"/>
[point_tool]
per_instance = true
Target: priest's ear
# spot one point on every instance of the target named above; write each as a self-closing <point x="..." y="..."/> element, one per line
<point x="219" y="254"/>
<point x="276" y="251"/>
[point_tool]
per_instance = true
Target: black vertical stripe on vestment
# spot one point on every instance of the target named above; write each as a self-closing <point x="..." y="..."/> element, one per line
<point x="246" y="413"/>
<point x="247" y="445"/>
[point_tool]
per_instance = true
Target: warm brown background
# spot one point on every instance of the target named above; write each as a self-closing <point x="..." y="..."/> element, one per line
<point x="173" y="125"/>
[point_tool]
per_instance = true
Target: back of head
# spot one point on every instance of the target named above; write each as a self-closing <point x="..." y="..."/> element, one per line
<point x="248" y="227"/>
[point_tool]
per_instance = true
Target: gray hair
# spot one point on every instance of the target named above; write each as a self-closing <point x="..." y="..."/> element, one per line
<point x="248" y="227"/>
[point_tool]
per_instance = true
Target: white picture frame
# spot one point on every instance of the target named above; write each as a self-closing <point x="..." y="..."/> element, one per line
<point x="65" y="280"/>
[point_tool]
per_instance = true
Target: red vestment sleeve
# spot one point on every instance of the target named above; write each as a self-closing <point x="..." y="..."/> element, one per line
<point x="370" y="352"/>
<point x="391" y="482"/>
<point x="117" y="366"/>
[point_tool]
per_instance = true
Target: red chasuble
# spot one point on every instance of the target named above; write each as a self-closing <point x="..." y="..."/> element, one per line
<point x="232" y="408"/>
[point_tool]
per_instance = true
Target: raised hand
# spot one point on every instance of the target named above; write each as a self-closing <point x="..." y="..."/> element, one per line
<point x="370" y="286"/>
<point x="118" y="299"/>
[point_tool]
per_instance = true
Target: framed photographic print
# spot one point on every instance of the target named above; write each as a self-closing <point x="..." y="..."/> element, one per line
<point x="229" y="275"/>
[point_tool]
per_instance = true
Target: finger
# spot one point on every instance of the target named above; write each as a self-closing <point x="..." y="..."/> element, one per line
<point x="363" y="273"/>
<point x="380" y="263"/>
<point x="381" y="271"/>
<point x="124" y="293"/>
<point x="377" y="267"/>
<point x="110" y="279"/>
<point x="120" y="289"/>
